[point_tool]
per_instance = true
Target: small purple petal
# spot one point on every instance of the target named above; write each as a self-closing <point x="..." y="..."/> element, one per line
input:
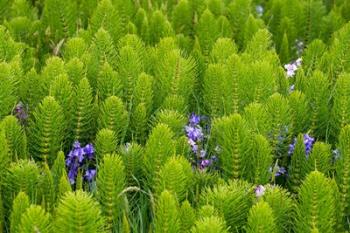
<point x="90" y="174"/>
<point x="259" y="191"/>
<point x="194" y="119"/>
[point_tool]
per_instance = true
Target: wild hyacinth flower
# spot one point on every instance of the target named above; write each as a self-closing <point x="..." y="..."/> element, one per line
<point x="21" y="112"/>
<point x="308" y="142"/>
<point x="90" y="174"/>
<point x="197" y="134"/>
<point x="292" y="67"/>
<point x="259" y="191"/>
<point x="278" y="170"/>
<point x="79" y="158"/>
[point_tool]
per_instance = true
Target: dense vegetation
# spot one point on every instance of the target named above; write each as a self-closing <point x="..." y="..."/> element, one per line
<point x="201" y="116"/>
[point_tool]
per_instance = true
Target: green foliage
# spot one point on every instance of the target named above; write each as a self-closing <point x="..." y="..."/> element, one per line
<point x="48" y="189"/>
<point x="228" y="197"/>
<point x="159" y="147"/>
<point x="257" y="118"/>
<point x="86" y="211"/>
<point x="317" y="93"/>
<point x="34" y="219"/>
<point x="299" y="108"/>
<point x="5" y="157"/>
<point x="232" y="136"/>
<point x="298" y="163"/>
<point x="60" y="22"/>
<point x="113" y="116"/>
<point x="173" y="119"/>
<point x="312" y="55"/>
<point x="211" y="224"/>
<point x="214" y="84"/>
<point x="62" y="90"/>
<point x="312" y="14"/>
<point x="106" y="143"/>
<point x="182" y="17"/>
<point x="111" y="181"/>
<point x="159" y="27"/>
<point x="341" y="101"/>
<point x="343" y="170"/>
<point x="83" y="122"/>
<point x="278" y="109"/>
<point x="21" y="176"/>
<point x="174" y="77"/>
<point x="106" y="16"/>
<point x="260" y="160"/>
<point x="175" y="176"/>
<point x="108" y="83"/>
<point x="167" y="217"/>
<point x="15" y="137"/>
<point x="316" y="207"/>
<point x="63" y="186"/>
<point x="47" y="130"/>
<point x="283" y="207"/>
<point x="7" y="89"/>
<point x="125" y="75"/>
<point x="261" y="219"/>
<point x="132" y="160"/>
<point x="222" y="50"/>
<point x="207" y="32"/>
<point x="320" y="158"/>
<point x="58" y="169"/>
<point x="19" y="206"/>
<point x="187" y="216"/>
<point x="74" y="48"/>
<point x="8" y="47"/>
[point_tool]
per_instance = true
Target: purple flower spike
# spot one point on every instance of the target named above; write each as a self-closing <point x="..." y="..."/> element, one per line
<point x="205" y="163"/>
<point x="20" y="112"/>
<point x="281" y="171"/>
<point x="194" y="119"/>
<point x="194" y="133"/>
<point x="79" y="153"/>
<point x="308" y="142"/>
<point x="89" y="150"/>
<point x="90" y="174"/>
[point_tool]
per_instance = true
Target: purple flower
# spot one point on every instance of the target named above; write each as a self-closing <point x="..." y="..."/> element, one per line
<point x="79" y="153"/>
<point x="193" y="145"/>
<point x="278" y="171"/>
<point x="205" y="163"/>
<point x="89" y="150"/>
<point x="308" y="142"/>
<point x="292" y="67"/>
<point x="73" y="172"/>
<point x="194" y="119"/>
<point x="76" y="159"/>
<point x="194" y="133"/>
<point x="20" y="112"/>
<point x="281" y="171"/>
<point x="259" y="191"/>
<point x="90" y="174"/>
